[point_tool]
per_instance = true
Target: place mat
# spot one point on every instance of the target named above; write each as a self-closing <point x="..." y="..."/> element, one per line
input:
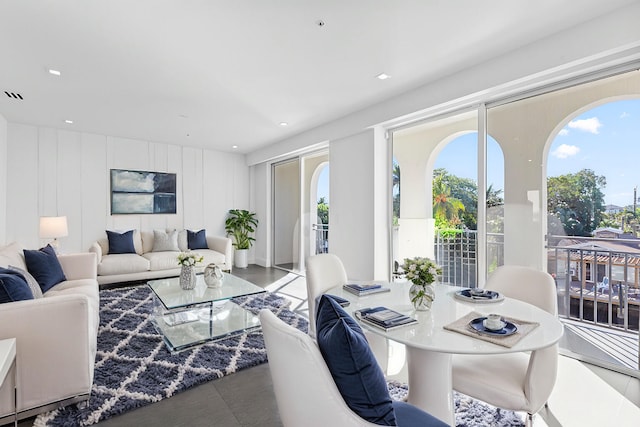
<point x="462" y="326"/>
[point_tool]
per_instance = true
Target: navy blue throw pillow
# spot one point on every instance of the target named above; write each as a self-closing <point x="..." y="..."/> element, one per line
<point x="352" y="364"/>
<point x="44" y="266"/>
<point x="121" y="243"/>
<point x="197" y="239"/>
<point x="13" y="287"/>
<point x="409" y="415"/>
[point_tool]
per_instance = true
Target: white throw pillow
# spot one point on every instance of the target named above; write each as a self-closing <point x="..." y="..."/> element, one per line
<point x="31" y="281"/>
<point x="165" y="241"/>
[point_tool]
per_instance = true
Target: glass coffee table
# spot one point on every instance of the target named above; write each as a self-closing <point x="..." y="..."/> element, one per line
<point x="187" y="318"/>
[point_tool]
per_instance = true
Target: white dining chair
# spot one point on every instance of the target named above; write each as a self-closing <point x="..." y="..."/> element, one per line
<point x="514" y="381"/>
<point x="305" y="390"/>
<point x="326" y="271"/>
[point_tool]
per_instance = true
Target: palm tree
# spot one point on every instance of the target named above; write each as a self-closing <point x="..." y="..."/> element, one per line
<point x="396" y="189"/>
<point x="445" y="207"/>
<point x="493" y="197"/>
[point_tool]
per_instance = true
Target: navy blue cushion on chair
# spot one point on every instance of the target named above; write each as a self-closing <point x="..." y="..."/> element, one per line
<point x="409" y="415"/>
<point x="197" y="239"/>
<point x="13" y="287"/>
<point x="121" y="243"/>
<point x="44" y="266"/>
<point x="352" y="364"/>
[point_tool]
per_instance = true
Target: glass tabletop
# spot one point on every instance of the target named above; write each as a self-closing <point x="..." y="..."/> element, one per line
<point x="173" y="296"/>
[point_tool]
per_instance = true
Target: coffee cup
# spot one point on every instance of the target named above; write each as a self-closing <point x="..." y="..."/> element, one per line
<point x="494" y="322"/>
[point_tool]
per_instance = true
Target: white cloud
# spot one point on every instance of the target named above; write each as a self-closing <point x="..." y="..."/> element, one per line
<point x="625" y="115"/>
<point x="586" y="125"/>
<point x="564" y="151"/>
<point x="563" y="132"/>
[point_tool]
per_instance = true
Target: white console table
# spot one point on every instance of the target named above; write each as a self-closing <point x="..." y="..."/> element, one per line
<point x="8" y="364"/>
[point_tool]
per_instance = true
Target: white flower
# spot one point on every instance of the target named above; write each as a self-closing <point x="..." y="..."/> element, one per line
<point x="189" y="259"/>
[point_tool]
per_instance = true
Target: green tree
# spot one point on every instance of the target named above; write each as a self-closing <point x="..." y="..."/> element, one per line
<point x="396" y="189"/>
<point x="323" y="210"/>
<point x="577" y="200"/>
<point x="446" y="208"/>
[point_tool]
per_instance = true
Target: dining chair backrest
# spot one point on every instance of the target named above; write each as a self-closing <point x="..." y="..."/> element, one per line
<point x="525" y="284"/>
<point x="324" y="271"/>
<point x="305" y="390"/>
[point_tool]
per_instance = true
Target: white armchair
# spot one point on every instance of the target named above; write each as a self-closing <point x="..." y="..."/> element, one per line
<point x="324" y="272"/>
<point x="518" y="381"/>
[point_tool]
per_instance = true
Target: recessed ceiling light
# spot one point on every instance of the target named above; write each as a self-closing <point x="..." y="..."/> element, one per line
<point x="284" y="124"/>
<point x="383" y="76"/>
<point x="54" y="72"/>
<point x="234" y="146"/>
<point x="69" y="122"/>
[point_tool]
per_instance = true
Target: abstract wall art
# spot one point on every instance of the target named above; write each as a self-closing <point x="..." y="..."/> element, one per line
<point x="142" y="192"/>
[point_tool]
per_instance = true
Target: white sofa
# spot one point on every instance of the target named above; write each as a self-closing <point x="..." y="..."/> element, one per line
<point x="146" y="264"/>
<point x="56" y="337"/>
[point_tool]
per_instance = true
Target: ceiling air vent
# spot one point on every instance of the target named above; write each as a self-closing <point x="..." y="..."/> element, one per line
<point x="13" y="95"/>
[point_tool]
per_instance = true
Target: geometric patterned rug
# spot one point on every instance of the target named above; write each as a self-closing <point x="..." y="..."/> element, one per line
<point x="134" y="368"/>
<point x="469" y="412"/>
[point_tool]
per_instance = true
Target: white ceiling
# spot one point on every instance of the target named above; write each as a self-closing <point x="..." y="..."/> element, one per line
<point x="217" y="73"/>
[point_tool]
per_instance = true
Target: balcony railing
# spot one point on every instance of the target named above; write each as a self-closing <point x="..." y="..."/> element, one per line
<point x="322" y="237"/>
<point x="597" y="279"/>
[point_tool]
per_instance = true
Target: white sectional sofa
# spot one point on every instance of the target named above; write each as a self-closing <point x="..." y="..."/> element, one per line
<point x="56" y="337"/>
<point x="146" y="264"/>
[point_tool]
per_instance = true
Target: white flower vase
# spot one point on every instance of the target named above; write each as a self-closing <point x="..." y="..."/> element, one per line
<point x="187" y="277"/>
<point x="422" y="296"/>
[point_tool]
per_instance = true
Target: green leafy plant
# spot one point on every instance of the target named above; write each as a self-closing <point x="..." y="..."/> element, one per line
<point x="240" y="224"/>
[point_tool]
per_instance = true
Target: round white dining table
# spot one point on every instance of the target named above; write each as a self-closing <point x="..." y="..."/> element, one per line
<point x="430" y="347"/>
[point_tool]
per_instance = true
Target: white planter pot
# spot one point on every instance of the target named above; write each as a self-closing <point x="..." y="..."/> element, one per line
<point x="240" y="258"/>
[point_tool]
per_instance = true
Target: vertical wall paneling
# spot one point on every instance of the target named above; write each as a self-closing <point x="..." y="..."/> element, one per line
<point x="69" y="186"/>
<point x="192" y="188"/>
<point x="94" y="193"/>
<point x="47" y="163"/>
<point x="174" y="165"/>
<point x="58" y="172"/>
<point x="22" y="185"/>
<point x="3" y="179"/>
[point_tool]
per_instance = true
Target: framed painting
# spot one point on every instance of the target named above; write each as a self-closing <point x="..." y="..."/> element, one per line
<point x="142" y="192"/>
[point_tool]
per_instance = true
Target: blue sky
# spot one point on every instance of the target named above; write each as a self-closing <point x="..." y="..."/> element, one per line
<point x="605" y="139"/>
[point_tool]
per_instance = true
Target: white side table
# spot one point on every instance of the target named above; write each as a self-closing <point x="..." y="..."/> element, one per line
<point x="8" y="363"/>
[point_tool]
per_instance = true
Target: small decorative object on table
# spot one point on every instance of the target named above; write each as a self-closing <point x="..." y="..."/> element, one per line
<point x="213" y="276"/>
<point x="188" y="261"/>
<point x="422" y="272"/>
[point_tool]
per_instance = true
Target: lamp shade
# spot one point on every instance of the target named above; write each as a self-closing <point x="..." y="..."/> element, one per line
<point x="53" y="227"/>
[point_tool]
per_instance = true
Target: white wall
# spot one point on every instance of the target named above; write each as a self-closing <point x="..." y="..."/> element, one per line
<point x="3" y="178"/>
<point x="358" y="230"/>
<point x="58" y="172"/>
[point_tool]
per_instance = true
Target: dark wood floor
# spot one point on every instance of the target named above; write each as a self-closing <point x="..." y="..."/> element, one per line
<point x="245" y="398"/>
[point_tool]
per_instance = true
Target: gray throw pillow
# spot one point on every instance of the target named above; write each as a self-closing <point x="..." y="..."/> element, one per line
<point x="165" y="241"/>
<point x="31" y="281"/>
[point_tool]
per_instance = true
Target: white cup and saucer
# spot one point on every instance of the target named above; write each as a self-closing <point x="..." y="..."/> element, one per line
<point x="476" y="292"/>
<point x="494" y="322"/>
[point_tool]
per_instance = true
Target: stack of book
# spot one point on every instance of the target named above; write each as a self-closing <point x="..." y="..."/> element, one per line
<point x="365" y="289"/>
<point x="384" y="318"/>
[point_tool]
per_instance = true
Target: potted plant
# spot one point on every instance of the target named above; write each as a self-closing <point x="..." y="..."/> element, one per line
<point x="239" y="224"/>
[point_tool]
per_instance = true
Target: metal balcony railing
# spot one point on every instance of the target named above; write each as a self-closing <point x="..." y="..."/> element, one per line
<point x="322" y="238"/>
<point x="597" y="280"/>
